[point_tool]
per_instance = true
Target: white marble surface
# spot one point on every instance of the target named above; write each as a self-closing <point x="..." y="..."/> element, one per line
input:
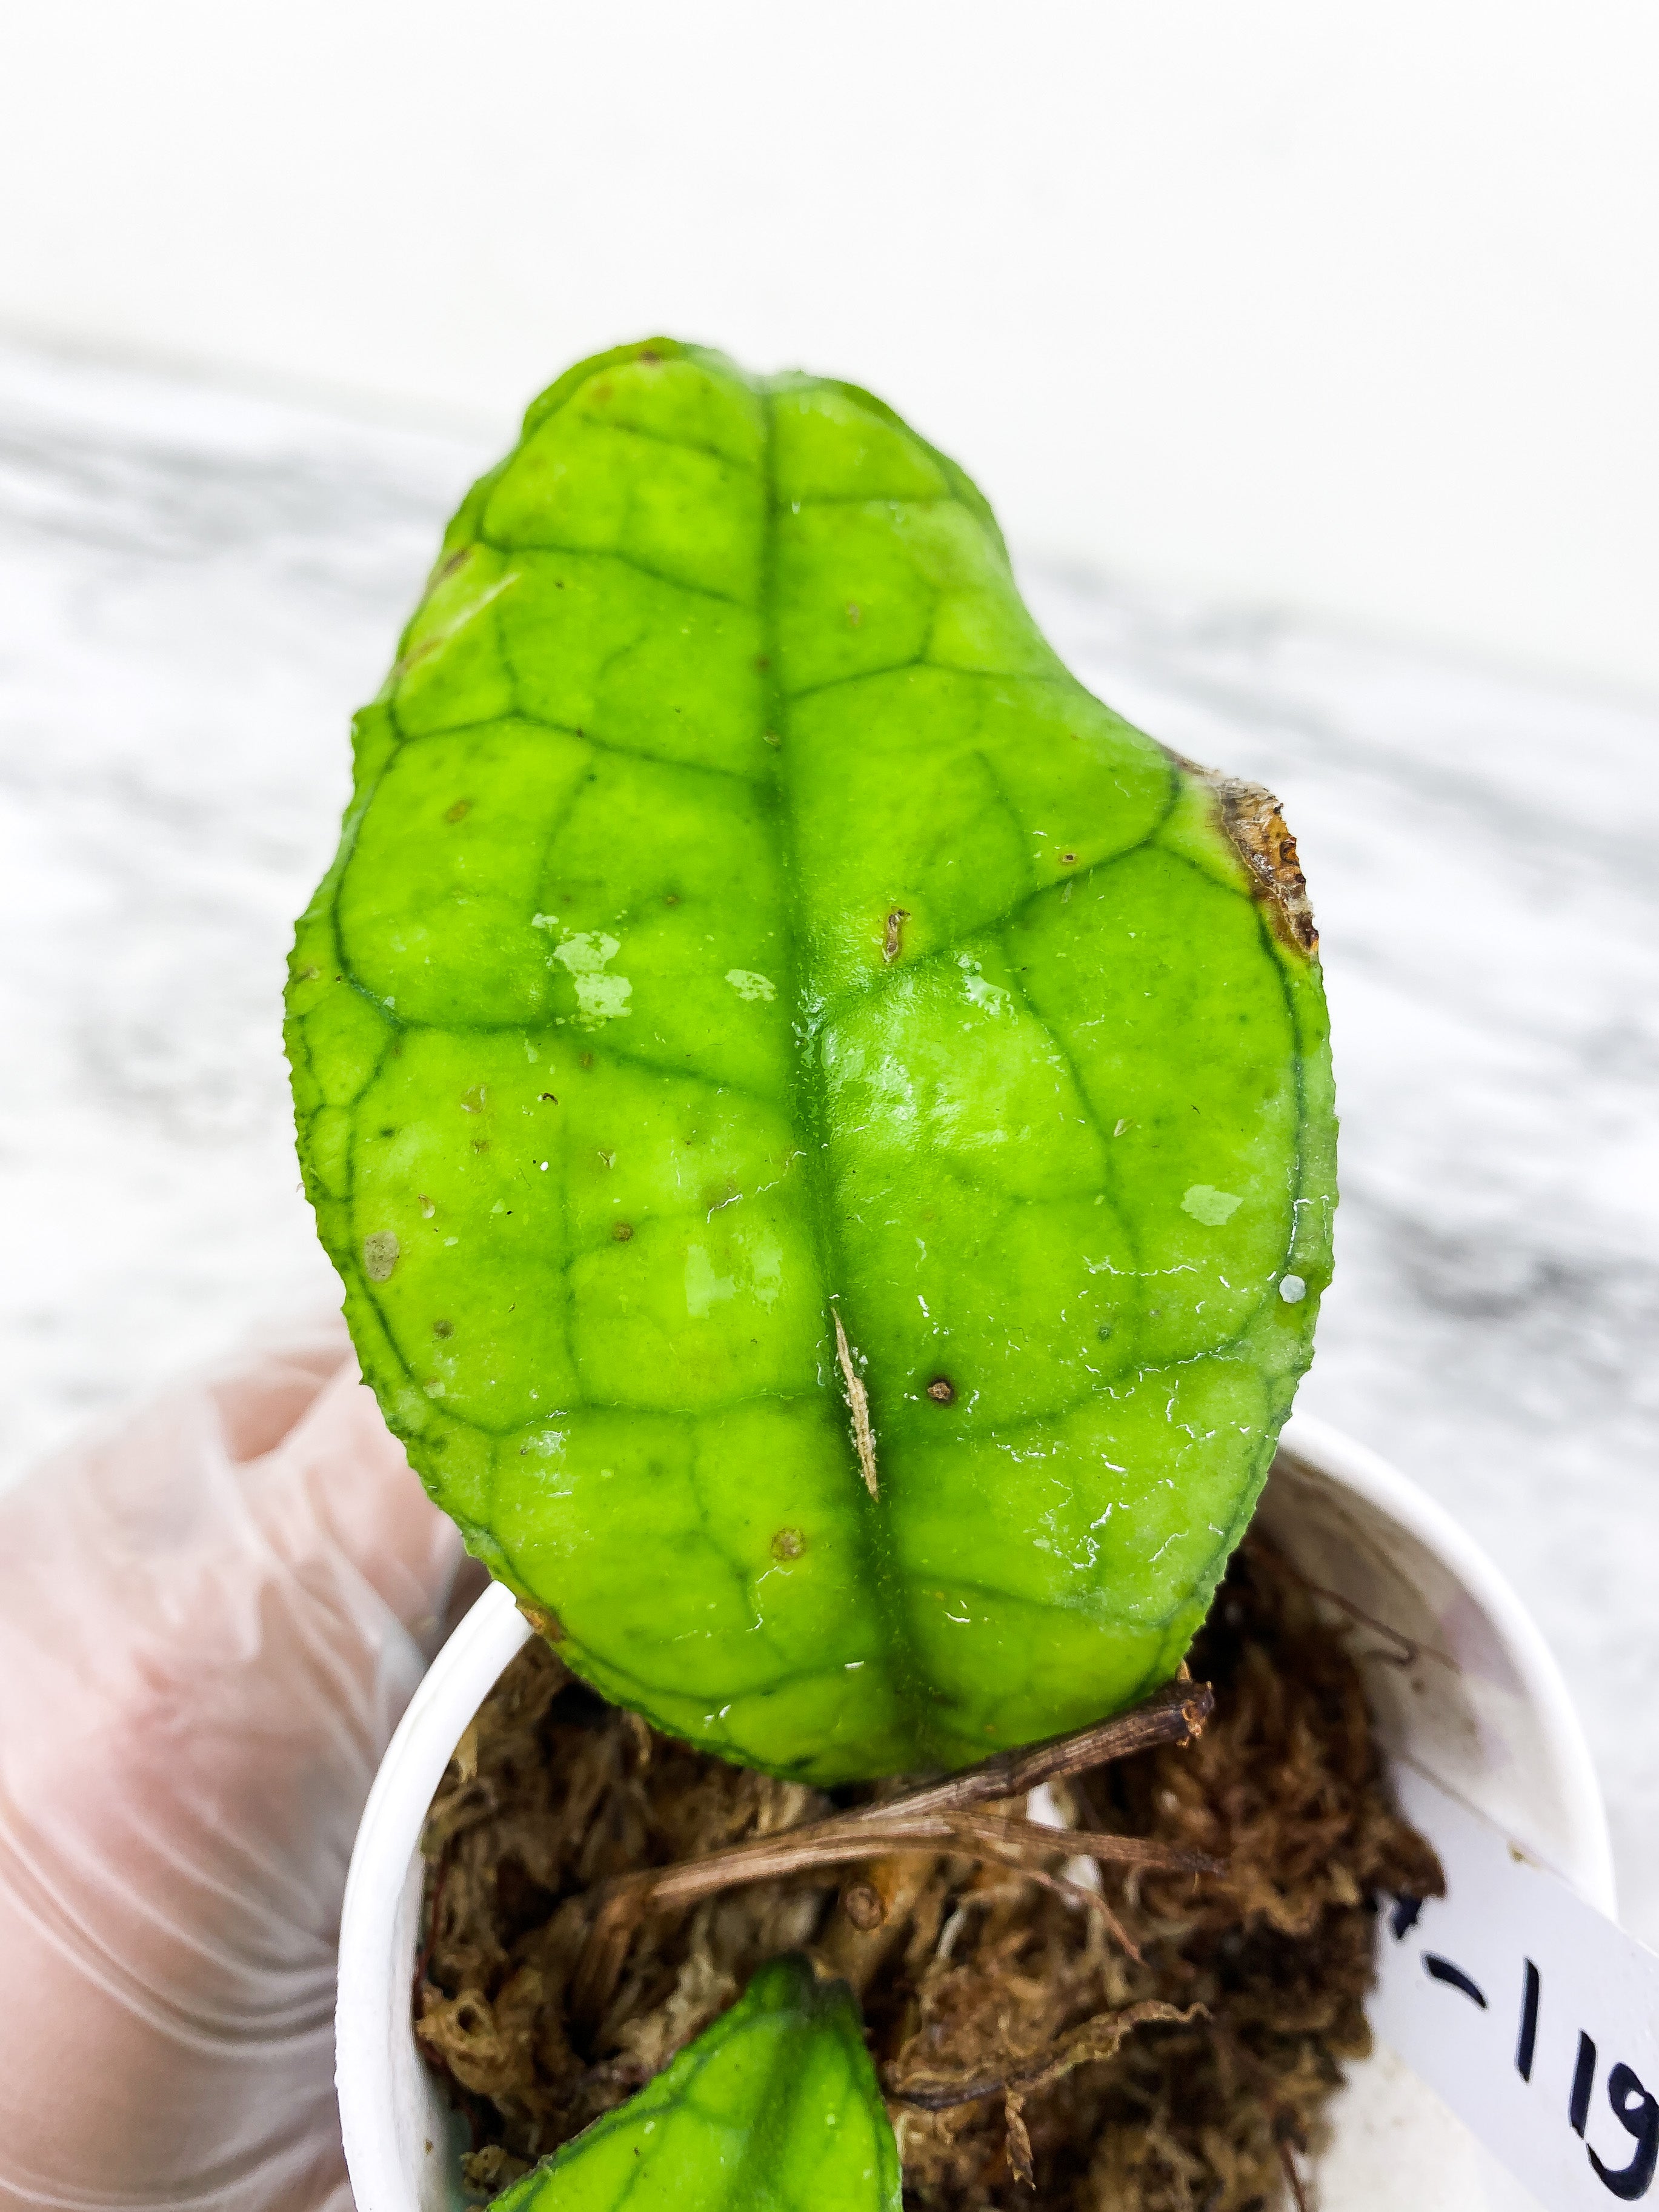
<point x="196" y="588"/>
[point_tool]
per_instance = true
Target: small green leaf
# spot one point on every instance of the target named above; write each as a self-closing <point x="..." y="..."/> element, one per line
<point x="773" y="2109"/>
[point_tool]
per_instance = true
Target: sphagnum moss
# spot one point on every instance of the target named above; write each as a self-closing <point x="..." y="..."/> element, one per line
<point x="826" y="1129"/>
<point x="1006" y="2022"/>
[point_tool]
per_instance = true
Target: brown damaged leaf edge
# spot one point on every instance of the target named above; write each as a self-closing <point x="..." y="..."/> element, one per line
<point x="1261" y="837"/>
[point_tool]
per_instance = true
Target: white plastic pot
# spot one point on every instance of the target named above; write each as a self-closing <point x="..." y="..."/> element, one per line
<point x="1461" y="1682"/>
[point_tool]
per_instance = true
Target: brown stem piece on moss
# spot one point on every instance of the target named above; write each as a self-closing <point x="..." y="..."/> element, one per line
<point x="1175" y="1714"/>
<point x="1298" y="2189"/>
<point x="935" y="1818"/>
<point x="1098" y="2038"/>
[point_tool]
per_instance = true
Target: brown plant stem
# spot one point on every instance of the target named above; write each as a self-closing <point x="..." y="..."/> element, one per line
<point x="1175" y="1714"/>
<point x="1297" y="2187"/>
<point x="1098" y="2038"/>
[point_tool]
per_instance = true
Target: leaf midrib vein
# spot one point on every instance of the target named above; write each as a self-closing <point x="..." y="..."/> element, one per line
<point x="905" y="1671"/>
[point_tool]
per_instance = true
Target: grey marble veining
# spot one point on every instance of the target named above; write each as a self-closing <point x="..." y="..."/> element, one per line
<point x="197" y="587"/>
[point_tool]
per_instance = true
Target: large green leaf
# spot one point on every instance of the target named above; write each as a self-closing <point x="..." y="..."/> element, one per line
<point x="826" y="1129"/>
<point x="773" y="2109"/>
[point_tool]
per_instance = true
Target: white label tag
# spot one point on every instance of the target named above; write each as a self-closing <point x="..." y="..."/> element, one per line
<point x="1533" y="2015"/>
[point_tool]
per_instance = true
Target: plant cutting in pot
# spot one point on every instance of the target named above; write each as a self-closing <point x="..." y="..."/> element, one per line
<point x="828" y="1134"/>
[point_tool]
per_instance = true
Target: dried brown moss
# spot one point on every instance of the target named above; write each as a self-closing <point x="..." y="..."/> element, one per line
<point x="1007" y="2024"/>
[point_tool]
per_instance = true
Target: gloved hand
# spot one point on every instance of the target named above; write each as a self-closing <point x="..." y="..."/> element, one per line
<point x="210" y="1619"/>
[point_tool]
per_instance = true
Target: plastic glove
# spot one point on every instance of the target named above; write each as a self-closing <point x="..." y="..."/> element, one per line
<point x="210" y="1620"/>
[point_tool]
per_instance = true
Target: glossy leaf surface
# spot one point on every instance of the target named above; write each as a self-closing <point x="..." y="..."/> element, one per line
<point x="826" y="1129"/>
<point x="773" y="2109"/>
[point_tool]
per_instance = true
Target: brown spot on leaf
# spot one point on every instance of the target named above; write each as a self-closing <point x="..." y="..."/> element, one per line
<point x="892" y="942"/>
<point x="788" y="1544"/>
<point x="545" y="1622"/>
<point x="443" y="1328"/>
<point x="942" y="1390"/>
<point x="458" y="811"/>
<point x="622" y="1231"/>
